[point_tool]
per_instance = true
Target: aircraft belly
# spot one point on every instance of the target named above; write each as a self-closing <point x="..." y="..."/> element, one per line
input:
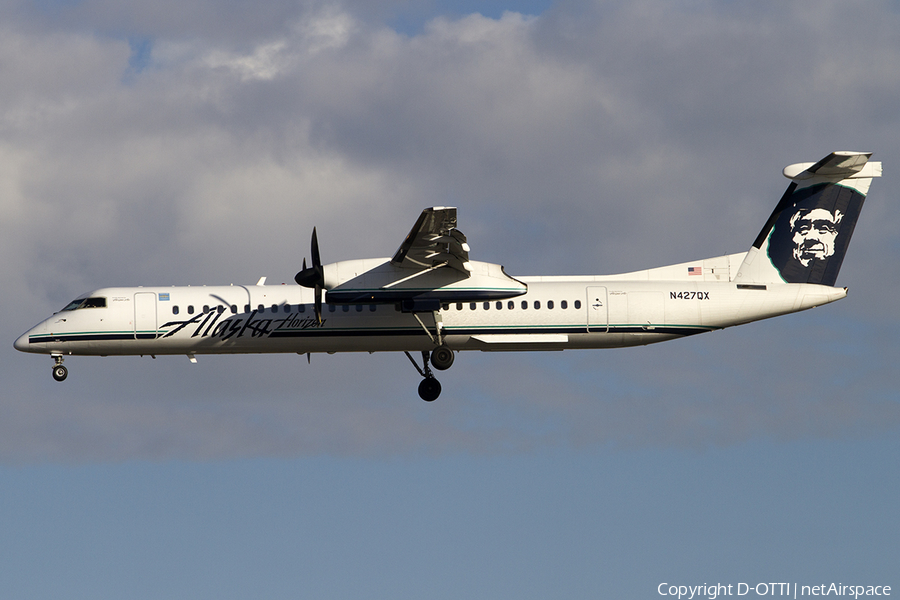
<point x="161" y="346"/>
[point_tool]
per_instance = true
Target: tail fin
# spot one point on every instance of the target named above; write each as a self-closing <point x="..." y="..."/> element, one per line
<point x="805" y="239"/>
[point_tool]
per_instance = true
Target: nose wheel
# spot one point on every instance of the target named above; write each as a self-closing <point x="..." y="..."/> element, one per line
<point x="59" y="371"/>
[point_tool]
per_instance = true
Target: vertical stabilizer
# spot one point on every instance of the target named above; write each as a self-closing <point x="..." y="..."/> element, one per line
<point x="805" y="239"/>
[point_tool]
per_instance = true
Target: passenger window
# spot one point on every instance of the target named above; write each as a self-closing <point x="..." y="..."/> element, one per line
<point x="499" y="305"/>
<point x="205" y="308"/>
<point x="346" y="308"/>
<point x="175" y="309"/>
<point x="487" y="306"/>
<point x="510" y="305"/>
<point x="445" y="307"/>
<point x="234" y="309"/>
<point x="261" y="308"/>
<point x="274" y="308"/>
<point x="246" y="308"/>
<point x="563" y="304"/>
<point x="331" y="308"/>
<point x="220" y="309"/>
<point x="301" y="308"/>
<point x="371" y="308"/>
<point x="524" y="304"/>
<point x="459" y="306"/>
<point x="190" y="309"/>
<point x="359" y="308"/>
<point x="537" y="304"/>
<point x="472" y="306"/>
<point x="550" y="304"/>
<point x="578" y="304"/>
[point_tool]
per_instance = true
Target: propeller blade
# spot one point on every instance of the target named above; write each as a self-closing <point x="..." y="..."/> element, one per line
<point x="314" y="275"/>
<point x="314" y="249"/>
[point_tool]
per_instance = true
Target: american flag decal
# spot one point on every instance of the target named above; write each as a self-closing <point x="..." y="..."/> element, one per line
<point x="695" y="270"/>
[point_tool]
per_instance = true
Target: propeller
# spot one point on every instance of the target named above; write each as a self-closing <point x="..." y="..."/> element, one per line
<point x="314" y="276"/>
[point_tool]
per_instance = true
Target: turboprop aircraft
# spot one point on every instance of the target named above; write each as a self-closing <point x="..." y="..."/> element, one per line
<point x="429" y="297"/>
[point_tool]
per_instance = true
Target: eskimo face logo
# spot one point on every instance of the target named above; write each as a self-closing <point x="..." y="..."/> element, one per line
<point x="813" y="232"/>
<point x="812" y="228"/>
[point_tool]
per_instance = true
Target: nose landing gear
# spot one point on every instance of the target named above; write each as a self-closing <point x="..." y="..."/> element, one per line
<point x="59" y="371"/>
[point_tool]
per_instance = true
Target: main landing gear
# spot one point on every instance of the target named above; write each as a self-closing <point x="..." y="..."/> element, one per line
<point x="441" y="359"/>
<point x="59" y="371"/>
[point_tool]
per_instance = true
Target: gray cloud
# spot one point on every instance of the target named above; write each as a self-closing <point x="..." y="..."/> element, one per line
<point x="591" y="139"/>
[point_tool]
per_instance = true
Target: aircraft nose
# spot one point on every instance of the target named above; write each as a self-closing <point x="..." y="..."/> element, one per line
<point x="21" y="344"/>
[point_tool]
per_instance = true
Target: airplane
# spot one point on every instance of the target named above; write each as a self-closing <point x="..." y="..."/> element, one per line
<point x="429" y="297"/>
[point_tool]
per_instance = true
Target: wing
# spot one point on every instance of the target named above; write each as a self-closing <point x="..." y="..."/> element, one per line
<point x="434" y="241"/>
<point x="431" y="267"/>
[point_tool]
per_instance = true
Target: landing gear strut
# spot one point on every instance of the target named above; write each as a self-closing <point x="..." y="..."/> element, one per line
<point x="59" y="371"/>
<point x="429" y="388"/>
<point x="441" y="357"/>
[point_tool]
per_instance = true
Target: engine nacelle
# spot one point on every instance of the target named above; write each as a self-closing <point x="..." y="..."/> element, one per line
<point x="379" y="281"/>
<point x="343" y="271"/>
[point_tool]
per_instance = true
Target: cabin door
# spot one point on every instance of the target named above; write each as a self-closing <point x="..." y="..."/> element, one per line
<point x="597" y="313"/>
<point x="145" y="316"/>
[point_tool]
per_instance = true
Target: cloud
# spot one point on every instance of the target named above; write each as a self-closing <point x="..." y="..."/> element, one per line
<point x="591" y="139"/>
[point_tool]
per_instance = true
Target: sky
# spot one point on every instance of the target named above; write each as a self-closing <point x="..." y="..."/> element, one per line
<point x="199" y="142"/>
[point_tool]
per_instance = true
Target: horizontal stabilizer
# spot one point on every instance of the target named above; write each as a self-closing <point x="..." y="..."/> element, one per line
<point x="837" y="165"/>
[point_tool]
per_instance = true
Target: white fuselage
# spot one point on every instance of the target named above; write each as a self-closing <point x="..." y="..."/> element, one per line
<point x="556" y="313"/>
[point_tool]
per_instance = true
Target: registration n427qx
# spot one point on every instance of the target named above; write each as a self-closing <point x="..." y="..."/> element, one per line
<point x="429" y="297"/>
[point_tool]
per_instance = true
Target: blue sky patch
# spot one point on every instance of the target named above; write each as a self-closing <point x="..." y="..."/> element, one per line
<point x="412" y="19"/>
<point x="141" y="53"/>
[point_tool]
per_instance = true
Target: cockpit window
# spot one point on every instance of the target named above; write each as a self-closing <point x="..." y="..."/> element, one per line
<point x="94" y="303"/>
<point x="74" y="304"/>
<point x="86" y="303"/>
